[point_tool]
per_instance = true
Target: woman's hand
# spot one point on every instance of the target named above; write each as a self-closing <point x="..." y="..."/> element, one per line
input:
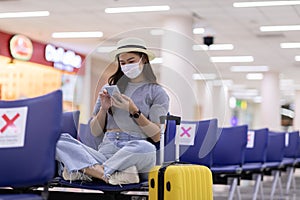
<point x="124" y="102"/>
<point x="106" y="100"/>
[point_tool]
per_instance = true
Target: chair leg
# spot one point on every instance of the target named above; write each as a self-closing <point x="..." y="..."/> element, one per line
<point x="290" y="172"/>
<point x="262" y="191"/>
<point x="280" y="186"/>
<point x="45" y="192"/>
<point x="232" y="189"/>
<point x="274" y="184"/>
<point x="294" y="182"/>
<point x="238" y="192"/>
<point x="257" y="186"/>
<point x="276" y="179"/>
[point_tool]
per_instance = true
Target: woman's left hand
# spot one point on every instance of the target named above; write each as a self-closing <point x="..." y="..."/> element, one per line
<point x="124" y="102"/>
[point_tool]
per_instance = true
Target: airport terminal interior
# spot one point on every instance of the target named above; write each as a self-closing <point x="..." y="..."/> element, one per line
<point x="233" y="61"/>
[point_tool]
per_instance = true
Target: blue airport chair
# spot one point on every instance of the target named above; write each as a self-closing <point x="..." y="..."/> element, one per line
<point x="69" y="124"/>
<point x="20" y="197"/>
<point x="255" y="157"/>
<point x="228" y="157"/>
<point x="200" y="152"/>
<point x="298" y="151"/>
<point x="289" y="160"/>
<point x="297" y="159"/>
<point x="30" y="129"/>
<point x="70" y="120"/>
<point x="86" y="137"/>
<point x="273" y="164"/>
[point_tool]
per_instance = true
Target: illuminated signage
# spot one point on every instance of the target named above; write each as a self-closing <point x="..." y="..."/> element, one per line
<point x="66" y="60"/>
<point x="21" y="47"/>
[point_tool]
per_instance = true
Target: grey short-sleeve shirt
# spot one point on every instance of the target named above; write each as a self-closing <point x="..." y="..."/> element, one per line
<point x="151" y="99"/>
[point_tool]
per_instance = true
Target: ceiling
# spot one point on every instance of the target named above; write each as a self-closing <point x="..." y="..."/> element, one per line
<point x="238" y="26"/>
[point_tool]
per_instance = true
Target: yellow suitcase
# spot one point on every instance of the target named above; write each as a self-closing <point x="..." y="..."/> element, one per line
<point x="180" y="182"/>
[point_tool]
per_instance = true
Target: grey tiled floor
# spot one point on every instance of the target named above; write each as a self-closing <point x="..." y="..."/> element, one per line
<point x="246" y="189"/>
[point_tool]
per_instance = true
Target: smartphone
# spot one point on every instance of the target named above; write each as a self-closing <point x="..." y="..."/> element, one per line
<point x="112" y="90"/>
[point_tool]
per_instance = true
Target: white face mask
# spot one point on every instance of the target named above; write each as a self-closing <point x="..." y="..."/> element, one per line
<point x="132" y="70"/>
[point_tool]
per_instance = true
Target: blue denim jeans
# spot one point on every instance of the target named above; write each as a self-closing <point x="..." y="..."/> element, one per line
<point x="117" y="152"/>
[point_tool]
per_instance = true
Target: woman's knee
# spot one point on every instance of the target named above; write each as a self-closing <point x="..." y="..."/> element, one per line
<point x="142" y="146"/>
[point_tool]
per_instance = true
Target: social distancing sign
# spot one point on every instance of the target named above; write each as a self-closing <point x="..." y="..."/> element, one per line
<point x="250" y="139"/>
<point x="12" y="126"/>
<point x="186" y="134"/>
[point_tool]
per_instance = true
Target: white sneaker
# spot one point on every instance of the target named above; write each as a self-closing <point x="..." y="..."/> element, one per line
<point x="75" y="176"/>
<point x="129" y="175"/>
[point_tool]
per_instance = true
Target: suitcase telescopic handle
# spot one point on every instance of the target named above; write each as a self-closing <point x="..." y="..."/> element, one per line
<point x="163" y="120"/>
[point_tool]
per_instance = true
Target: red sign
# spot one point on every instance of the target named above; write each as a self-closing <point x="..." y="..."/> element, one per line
<point x="9" y="122"/>
<point x="21" y="47"/>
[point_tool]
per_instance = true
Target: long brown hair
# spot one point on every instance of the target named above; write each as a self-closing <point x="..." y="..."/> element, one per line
<point x="119" y="79"/>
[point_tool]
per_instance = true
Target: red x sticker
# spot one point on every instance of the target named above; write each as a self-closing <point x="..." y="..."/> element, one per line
<point x="9" y="122"/>
<point x="13" y="126"/>
<point x="186" y="134"/>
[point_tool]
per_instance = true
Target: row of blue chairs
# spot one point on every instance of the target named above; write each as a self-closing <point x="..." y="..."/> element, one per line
<point x="237" y="153"/>
<point x="38" y="123"/>
<point x="226" y="151"/>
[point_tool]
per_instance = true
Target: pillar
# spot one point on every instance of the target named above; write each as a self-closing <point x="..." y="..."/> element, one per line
<point x="220" y="103"/>
<point x="177" y="69"/>
<point x="296" y="121"/>
<point x="270" y="106"/>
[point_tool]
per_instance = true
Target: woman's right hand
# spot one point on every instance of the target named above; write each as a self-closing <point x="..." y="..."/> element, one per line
<point x="106" y="101"/>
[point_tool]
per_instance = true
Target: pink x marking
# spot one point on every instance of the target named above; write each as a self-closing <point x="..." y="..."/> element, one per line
<point x="9" y="122"/>
<point x="185" y="132"/>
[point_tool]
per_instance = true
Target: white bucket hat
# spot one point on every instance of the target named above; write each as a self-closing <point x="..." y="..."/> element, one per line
<point x="132" y="44"/>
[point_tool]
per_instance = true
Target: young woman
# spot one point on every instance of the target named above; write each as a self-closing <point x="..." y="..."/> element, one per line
<point x="127" y="120"/>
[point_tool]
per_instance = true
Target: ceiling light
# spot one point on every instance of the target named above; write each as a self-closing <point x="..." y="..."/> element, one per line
<point x="24" y="14"/>
<point x="77" y="34"/>
<point x="213" y="47"/>
<point x="297" y="58"/>
<point x="265" y="3"/>
<point x="137" y="9"/>
<point x="204" y="76"/>
<point x="290" y="45"/>
<point x="223" y="82"/>
<point x="198" y="30"/>
<point x="249" y="68"/>
<point x="255" y="76"/>
<point x="245" y="92"/>
<point x="238" y="86"/>
<point x="280" y="28"/>
<point x="232" y="59"/>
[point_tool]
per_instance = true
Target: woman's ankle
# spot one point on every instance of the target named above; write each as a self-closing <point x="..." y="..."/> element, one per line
<point x="96" y="171"/>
